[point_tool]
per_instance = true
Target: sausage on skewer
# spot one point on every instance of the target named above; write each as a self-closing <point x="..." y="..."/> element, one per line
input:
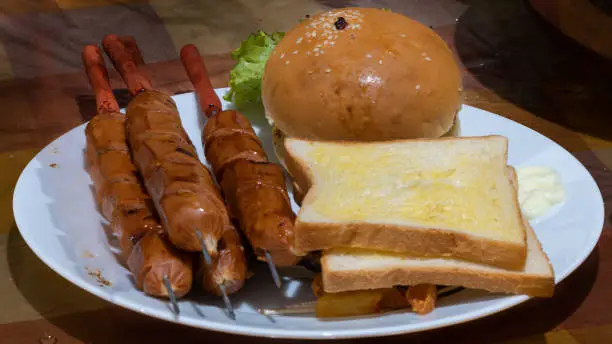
<point x="229" y="268"/>
<point x="253" y="187"/>
<point x="159" y="269"/>
<point x="182" y="188"/>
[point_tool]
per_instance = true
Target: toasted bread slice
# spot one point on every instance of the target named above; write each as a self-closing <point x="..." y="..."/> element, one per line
<point x="446" y="197"/>
<point x="354" y="269"/>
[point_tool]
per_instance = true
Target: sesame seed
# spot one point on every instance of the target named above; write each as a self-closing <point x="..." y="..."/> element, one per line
<point x="287" y="62"/>
<point x="308" y="53"/>
<point x="379" y="61"/>
<point x="403" y="35"/>
<point x="282" y="56"/>
<point x="315" y="49"/>
<point x="294" y="52"/>
<point x="368" y="56"/>
<point x="322" y="52"/>
<point x="332" y="43"/>
<point x="418" y="87"/>
<point x="316" y="54"/>
<point x="299" y="40"/>
<point x="428" y="58"/>
<point x="327" y="70"/>
<point x="314" y="34"/>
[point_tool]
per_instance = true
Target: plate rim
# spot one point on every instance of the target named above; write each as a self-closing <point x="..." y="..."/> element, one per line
<point x="502" y="304"/>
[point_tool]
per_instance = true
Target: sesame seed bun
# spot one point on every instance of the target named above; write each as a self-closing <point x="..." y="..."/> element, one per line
<point x="372" y="75"/>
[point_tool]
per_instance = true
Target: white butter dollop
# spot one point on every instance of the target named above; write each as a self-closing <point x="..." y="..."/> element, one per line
<point x="540" y="189"/>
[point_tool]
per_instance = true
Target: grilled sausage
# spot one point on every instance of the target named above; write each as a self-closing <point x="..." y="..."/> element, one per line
<point x="229" y="268"/>
<point x="228" y="136"/>
<point x="122" y="198"/>
<point x="255" y="189"/>
<point x="125" y="203"/>
<point x="182" y="188"/>
<point x="153" y="257"/>
<point x="185" y="195"/>
<point x="258" y="197"/>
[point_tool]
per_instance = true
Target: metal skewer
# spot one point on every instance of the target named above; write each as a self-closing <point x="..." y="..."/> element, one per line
<point x="221" y="287"/>
<point x="310" y="306"/>
<point x="207" y="258"/>
<point x="226" y="300"/>
<point x="171" y="294"/>
<point x="212" y="110"/>
<point x="273" y="271"/>
<point x="300" y="308"/>
<point x="211" y="105"/>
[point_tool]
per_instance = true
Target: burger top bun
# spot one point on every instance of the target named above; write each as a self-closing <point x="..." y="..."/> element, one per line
<point x="361" y="74"/>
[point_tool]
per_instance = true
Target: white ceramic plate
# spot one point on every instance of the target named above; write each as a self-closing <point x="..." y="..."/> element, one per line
<point x="56" y="215"/>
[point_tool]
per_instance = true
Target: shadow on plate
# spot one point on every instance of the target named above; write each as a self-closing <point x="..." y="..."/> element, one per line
<point x="510" y="50"/>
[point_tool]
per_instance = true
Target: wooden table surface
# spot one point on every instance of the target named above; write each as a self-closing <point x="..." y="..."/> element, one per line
<point x="514" y="64"/>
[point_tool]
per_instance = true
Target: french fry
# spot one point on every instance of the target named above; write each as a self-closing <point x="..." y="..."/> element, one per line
<point x="422" y="298"/>
<point x="393" y="298"/>
<point x="317" y="286"/>
<point x="349" y="303"/>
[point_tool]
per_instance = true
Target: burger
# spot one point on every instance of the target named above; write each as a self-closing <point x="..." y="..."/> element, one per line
<point x="361" y="74"/>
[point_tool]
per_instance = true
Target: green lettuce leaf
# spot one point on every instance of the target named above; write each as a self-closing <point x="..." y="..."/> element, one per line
<point x="246" y="75"/>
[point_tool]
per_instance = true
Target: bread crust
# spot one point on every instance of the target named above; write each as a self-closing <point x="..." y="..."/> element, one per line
<point x="419" y="241"/>
<point x="514" y="282"/>
<point x="532" y="285"/>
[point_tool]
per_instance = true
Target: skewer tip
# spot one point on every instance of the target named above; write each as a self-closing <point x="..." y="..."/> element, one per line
<point x="221" y="287"/>
<point x="228" y="304"/>
<point x="171" y="294"/>
<point x="212" y="110"/>
<point x="205" y="253"/>
<point x="275" y="276"/>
